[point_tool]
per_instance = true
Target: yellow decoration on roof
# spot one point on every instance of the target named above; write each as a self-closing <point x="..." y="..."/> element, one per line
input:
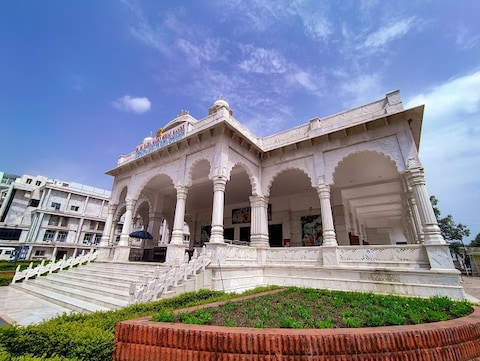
<point x="159" y="132"/>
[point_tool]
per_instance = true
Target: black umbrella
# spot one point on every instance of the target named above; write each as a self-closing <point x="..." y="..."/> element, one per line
<point x="143" y="234"/>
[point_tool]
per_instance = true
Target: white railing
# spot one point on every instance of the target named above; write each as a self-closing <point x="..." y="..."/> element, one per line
<point x="412" y="256"/>
<point x="52" y="266"/>
<point x="151" y="288"/>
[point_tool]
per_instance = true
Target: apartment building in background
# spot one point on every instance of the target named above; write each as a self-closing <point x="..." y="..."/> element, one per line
<point x="45" y="218"/>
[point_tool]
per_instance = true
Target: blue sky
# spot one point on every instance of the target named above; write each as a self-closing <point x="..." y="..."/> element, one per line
<point x="82" y="82"/>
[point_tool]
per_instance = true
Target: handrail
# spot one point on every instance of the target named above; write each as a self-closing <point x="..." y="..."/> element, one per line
<point x="151" y="288"/>
<point x="52" y="266"/>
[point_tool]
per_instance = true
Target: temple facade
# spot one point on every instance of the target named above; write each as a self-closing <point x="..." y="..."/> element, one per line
<point x="339" y="202"/>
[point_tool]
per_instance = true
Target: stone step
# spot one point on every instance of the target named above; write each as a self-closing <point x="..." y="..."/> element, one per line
<point x="80" y="279"/>
<point x="71" y="303"/>
<point x="93" y="275"/>
<point x="108" y="301"/>
<point x="96" y="287"/>
<point x="126" y="267"/>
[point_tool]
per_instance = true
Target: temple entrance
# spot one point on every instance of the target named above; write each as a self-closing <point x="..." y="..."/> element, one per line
<point x="275" y="235"/>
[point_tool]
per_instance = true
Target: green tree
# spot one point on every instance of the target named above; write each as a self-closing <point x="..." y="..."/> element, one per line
<point x="476" y="241"/>
<point x="451" y="231"/>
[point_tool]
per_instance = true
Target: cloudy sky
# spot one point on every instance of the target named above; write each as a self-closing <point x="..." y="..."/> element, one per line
<point x="82" y="82"/>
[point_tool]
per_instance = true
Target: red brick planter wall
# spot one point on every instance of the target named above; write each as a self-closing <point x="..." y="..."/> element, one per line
<point x="144" y="340"/>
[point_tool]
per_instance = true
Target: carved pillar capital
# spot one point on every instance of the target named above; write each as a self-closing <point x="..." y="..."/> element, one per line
<point x="182" y="191"/>
<point x="112" y="207"/>
<point x="130" y="203"/>
<point x="219" y="183"/>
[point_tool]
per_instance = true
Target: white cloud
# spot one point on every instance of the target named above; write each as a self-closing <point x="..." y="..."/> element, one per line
<point x="199" y="52"/>
<point x="456" y="97"/>
<point x="316" y="25"/>
<point x="136" y="105"/>
<point x="361" y="89"/>
<point x="464" y="39"/>
<point x="386" y="34"/>
<point x="306" y="81"/>
<point x="262" y="61"/>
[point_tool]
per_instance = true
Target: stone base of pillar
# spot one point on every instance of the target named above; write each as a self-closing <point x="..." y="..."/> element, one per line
<point x="216" y="234"/>
<point x="176" y="254"/>
<point x="177" y="238"/>
<point x="218" y="251"/>
<point x="440" y="257"/>
<point x="432" y="235"/>
<point x="103" y="253"/>
<point x="329" y="239"/>
<point x="121" y="254"/>
<point x="259" y="240"/>
<point x="330" y="256"/>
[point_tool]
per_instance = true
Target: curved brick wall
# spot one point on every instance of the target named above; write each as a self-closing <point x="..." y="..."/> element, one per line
<point x="144" y="340"/>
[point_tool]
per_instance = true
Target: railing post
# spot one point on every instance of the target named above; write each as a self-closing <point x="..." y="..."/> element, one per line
<point x="27" y="275"/>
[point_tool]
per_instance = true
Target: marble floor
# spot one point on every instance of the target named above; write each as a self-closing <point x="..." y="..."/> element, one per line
<point x="24" y="309"/>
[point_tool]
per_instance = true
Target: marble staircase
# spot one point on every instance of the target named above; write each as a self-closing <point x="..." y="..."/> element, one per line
<point x="96" y="286"/>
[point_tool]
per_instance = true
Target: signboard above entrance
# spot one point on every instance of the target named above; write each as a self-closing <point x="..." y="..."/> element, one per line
<point x="164" y="139"/>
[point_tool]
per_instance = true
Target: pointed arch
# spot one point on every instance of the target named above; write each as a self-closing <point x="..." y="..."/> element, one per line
<point x="282" y="169"/>
<point x="157" y="180"/>
<point x="364" y="165"/>
<point x="193" y="166"/>
<point x="251" y="177"/>
<point x="119" y="194"/>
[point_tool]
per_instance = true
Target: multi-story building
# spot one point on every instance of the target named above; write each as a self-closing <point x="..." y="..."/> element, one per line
<point x="45" y="218"/>
<point x="5" y="180"/>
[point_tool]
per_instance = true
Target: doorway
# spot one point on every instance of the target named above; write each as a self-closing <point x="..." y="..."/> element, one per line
<point x="275" y="235"/>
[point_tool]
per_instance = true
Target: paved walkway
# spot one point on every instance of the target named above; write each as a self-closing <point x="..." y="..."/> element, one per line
<point x="24" y="309"/>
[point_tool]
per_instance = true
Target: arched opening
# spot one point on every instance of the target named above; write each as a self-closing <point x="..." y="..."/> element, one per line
<point x="295" y="211"/>
<point x="237" y="202"/>
<point x="198" y="209"/>
<point x="367" y="201"/>
<point x="154" y="213"/>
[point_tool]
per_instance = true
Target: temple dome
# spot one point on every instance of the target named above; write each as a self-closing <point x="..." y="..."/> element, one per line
<point x="147" y="139"/>
<point x="221" y="103"/>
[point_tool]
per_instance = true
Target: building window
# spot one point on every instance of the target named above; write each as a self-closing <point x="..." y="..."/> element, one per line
<point x="54" y="220"/>
<point x="101" y="226"/>
<point x="49" y="236"/>
<point x="62" y="236"/>
<point x="97" y="238"/>
<point x="10" y="234"/>
<point x="39" y="253"/>
<point x="37" y="183"/>
<point x="29" y="180"/>
<point x="33" y="203"/>
<point x="56" y="205"/>
<point x="93" y="225"/>
<point x="74" y="208"/>
<point x="88" y="238"/>
<point x="64" y="221"/>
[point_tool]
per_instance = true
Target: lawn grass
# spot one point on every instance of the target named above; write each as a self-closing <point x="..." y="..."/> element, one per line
<point x="313" y="308"/>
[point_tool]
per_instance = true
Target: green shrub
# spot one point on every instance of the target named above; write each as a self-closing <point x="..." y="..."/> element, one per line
<point x="71" y="340"/>
<point x="12" y="266"/>
<point x="79" y="337"/>
<point x="164" y="316"/>
<point x="5" y="279"/>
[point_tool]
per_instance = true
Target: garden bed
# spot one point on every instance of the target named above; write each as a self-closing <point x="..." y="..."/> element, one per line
<point x="143" y="339"/>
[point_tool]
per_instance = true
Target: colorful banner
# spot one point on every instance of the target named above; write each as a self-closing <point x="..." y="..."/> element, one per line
<point x="167" y="138"/>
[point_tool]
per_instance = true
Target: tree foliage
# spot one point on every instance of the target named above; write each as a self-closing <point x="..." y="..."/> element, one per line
<point x="451" y="231"/>
<point x="476" y="241"/>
